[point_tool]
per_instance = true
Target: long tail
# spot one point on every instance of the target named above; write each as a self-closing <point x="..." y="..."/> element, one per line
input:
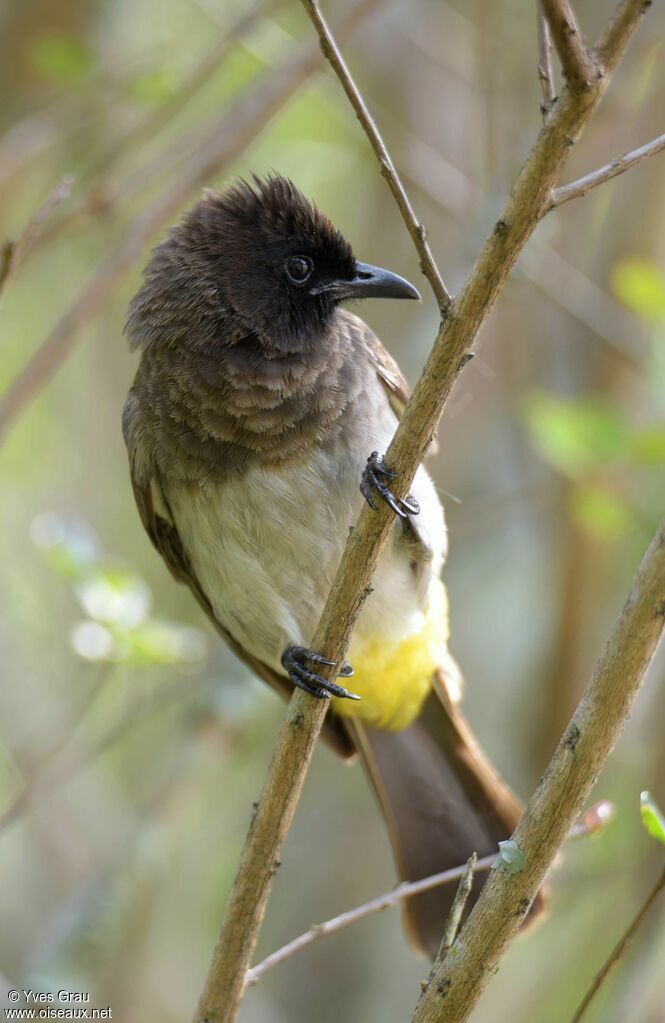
<point x="442" y="800"/>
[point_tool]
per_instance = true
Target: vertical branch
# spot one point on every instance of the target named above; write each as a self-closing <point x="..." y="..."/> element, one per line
<point x="545" y="69"/>
<point x="579" y="68"/>
<point x="454" y="918"/>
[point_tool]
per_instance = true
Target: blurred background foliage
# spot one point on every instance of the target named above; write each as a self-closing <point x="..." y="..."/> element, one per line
<point x="131" y="743"/>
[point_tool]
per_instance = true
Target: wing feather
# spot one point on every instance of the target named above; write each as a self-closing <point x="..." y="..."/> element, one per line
<point x="398" y="393"/>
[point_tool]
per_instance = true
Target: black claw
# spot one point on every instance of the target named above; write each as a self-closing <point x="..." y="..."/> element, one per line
<point x="366" y="491"/>
<point x="314" y="657"/>
<point x="295" y="659"/>
<point x="371" y="482"/>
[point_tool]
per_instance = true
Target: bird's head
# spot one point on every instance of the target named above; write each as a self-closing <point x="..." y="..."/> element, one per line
<point x="266" y="254"/>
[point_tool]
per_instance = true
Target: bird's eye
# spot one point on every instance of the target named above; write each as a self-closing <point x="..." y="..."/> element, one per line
<point x="298" y="268"/>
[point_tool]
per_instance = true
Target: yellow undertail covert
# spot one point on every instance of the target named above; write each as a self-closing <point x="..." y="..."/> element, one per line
<point x="393" y="679"/>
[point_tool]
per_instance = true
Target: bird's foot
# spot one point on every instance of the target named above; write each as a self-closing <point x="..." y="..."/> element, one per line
<point x="295" y="660"/>
<point x="372" y="481"/>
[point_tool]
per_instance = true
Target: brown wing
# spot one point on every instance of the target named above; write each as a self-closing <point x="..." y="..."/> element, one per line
<point x="158" y="522"/>
<point x="387" y="370"/>
<point x="389" y="374"/>
<point x="397" y="390"/>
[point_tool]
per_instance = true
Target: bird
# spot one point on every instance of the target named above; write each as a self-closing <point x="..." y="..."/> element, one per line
<point x="256" y="426"/>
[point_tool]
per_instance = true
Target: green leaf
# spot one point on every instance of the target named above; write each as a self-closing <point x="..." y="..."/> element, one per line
<point x="114" y="597"/>
<point x="600" y="511"/>
<point x="161" y="642"/>
<point x="511" y="860"/>
<point x="61" y="58"/>
<point x="647" y="446"/>
<point x="152" y="643"/>
<point x="154" y="87"/>
<point x="574" y="436"/>
<point x="640" y="285"/>
<point x="69" y="546"/>
<point x="93" y="641"/>
<point x="652" y="817"/>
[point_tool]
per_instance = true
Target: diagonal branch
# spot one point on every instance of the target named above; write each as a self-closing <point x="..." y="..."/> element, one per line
<point x="578" y="188"/>
<point x="13" y="252"/>
<point x="593" y="821"/>
<point x="352" y="916"/>
<point x="579" y="68"/>
<point x="587" y="742"/>
<point x="414" y="227"/>
<point x="222" y="992"/>
<point x="619" y="949"/>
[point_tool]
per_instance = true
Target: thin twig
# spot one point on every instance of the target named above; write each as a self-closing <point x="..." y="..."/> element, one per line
<point x="6" y="261"/>
<point x="545" y="69"/>
<point x="352" y="916"/>
<point x="221" y="144"/>
<point x="619" y="949"/>
<point x="13" y="253"/>
<point x="400" y="892"/>
<point x="578" y="188"/>
<point x="454" y="919"/>
<point x="457" y="908"/>
<point x="413" y="225"/>
<point x="579" y="68"/>
<point x="593" y="821"/>
<point x="222" y="993"/>
<point x="541" y="264"/>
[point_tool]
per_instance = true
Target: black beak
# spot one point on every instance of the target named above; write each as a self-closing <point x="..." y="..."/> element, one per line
<point x="373" y="282"/>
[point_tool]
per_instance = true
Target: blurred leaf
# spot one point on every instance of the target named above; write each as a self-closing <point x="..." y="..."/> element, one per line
<point x="155" y="86"/>
<point x="117" y="601"/>
<point x="575" y="435"/>
<point x="160" y="642"/>
<point x="600" y="511"/>
<point x="92" y="641"/>
<point x="152" y="643"/>
<point x="61" y="58"/>
<point x="640" y="285"/>
<point x="511" y="860"/>
<point x="595" y="819"/>
<point x="647" y="446"/>
<point x="69" y="546"/>
<point x="652" y="817"/>
<point x="115" y="597"/>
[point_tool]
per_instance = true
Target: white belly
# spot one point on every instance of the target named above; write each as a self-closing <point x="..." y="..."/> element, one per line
<point x="265" y="550"/>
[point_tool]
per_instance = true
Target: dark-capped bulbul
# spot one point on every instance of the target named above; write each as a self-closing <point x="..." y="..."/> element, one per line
<point x="255" y="428"/>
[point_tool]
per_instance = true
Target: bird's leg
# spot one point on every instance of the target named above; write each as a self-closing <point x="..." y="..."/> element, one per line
<point x="372" y="481"/>
<point x="295" y="660"/>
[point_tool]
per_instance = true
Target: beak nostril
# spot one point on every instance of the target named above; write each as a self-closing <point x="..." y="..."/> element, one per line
<point x="375" y="282"/>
